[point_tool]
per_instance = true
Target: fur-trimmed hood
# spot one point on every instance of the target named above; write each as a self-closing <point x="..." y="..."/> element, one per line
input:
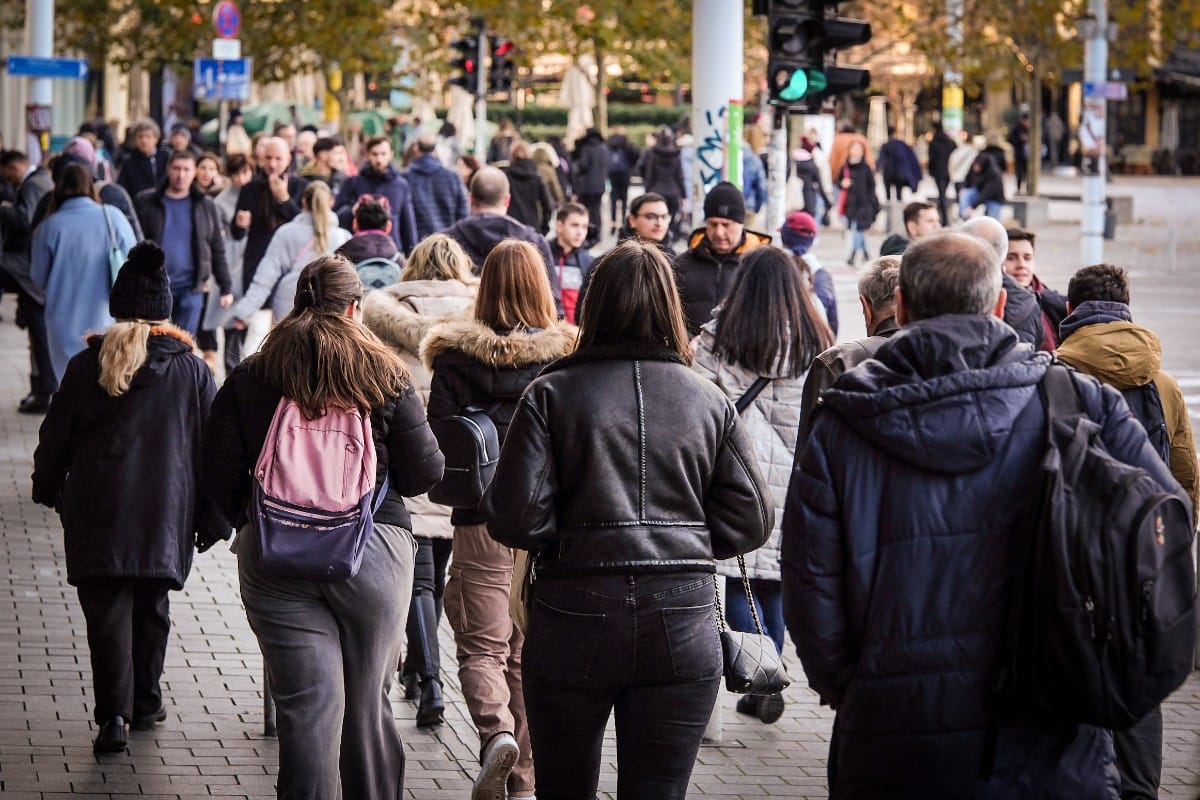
<point x="403" y="313"/>
<point x="517" y="349"/>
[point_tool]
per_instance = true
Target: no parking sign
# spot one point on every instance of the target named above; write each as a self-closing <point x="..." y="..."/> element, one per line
<point x="227" y="19"/>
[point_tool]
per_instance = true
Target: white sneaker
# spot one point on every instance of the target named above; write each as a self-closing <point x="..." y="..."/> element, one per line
<point x="498" y="760"/>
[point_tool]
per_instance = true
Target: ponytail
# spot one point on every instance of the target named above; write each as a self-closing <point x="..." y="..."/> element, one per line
<point x="122" y="354"/>
<point x="319" y="202"/>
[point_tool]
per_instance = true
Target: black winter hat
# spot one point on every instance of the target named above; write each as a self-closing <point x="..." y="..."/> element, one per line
<point x="142" y="289"/>
<point x="725" y="200"/>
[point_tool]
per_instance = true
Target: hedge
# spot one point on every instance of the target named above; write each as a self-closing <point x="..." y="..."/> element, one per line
<point x="618" y="114"/>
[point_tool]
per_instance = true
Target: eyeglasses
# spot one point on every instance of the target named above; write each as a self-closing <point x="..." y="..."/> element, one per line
<point x="654" y="217"/>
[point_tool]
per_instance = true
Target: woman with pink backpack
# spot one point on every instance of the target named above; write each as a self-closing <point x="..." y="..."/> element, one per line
<point x="329" y="617"/>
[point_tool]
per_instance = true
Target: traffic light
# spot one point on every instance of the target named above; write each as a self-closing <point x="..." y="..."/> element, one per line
<point x="502" y="69"/>
<point x="800" y="38"/>
<point x="467" y="61"/>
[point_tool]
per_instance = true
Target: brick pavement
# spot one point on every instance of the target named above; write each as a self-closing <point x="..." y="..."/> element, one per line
<point x="212" y="742"/>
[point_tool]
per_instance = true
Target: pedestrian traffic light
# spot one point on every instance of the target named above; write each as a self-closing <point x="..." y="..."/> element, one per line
<point x="502" y="69"/>
<point x="467" y="61"/>
<point x="800" y="39"/>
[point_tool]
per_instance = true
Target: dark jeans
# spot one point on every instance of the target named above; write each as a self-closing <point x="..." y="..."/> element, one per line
<point x="645" y="646"/>
<point x="899" y="186"/>
<point x="234" y="340"/>
<point x="429" y="578"/>
<point x="1139" y="757"/>
<point x="186" y="310"/>
<point x="768" y="599"/>
<point x="619" y="196"/>
<point x="128" y="622"/>
<point x="592" y="203"/>
<point x="41" y="368"/>
<point x="943" y="203"/>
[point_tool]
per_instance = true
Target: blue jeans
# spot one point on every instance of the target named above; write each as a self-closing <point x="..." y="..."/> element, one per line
<point x="768" y="599"/>
<point x="858" y="240"/>
<point x="644" y="646"/>
<point x="186" y="308"/>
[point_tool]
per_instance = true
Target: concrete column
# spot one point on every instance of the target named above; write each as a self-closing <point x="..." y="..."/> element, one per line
<point x="39" y="20"/>
<point x="717" y="75"/>
<point x="1093" y="134"/>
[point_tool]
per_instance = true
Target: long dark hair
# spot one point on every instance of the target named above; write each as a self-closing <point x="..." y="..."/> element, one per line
<point x="74" y="181"/>
<point x="322" y="358"/>
<point x="632" y="298"/>
<point x="769" y="324"/>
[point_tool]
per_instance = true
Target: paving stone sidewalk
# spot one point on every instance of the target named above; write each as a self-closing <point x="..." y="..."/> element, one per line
<point x="212" y="743"/>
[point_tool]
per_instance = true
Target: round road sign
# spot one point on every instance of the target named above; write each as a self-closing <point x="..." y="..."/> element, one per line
<point x="227" y="19"/>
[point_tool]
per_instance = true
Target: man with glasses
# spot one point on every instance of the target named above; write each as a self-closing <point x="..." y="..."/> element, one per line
<point x="649" y="220"/>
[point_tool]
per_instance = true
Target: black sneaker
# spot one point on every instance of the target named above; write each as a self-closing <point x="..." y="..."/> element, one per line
<point x="113" y="736"/>
<point x="146" y="722"/>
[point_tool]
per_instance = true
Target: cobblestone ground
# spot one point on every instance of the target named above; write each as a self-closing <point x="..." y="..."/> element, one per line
<point x="212" y="743"/>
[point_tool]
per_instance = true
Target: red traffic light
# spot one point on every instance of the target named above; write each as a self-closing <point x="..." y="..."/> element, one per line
<point x="502" y="47"/>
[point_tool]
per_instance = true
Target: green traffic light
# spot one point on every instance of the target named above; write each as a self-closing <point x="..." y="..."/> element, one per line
<point x="796" y="88"/>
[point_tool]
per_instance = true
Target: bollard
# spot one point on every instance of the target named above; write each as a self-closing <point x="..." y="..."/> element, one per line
<point x="268" y="706"/>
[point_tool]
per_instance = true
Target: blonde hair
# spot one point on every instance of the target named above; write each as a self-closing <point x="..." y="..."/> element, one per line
<point x="122" y="354"/>
<point x="438" y="258"/>
<point x="319" y="202"/>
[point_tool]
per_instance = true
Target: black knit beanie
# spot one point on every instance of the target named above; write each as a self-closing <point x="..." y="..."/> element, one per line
<point x="725" y="200"/>
<point x="142" y="290"/>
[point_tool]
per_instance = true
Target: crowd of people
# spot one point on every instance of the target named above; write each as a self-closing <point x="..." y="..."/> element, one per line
<point x="871" y="486"/>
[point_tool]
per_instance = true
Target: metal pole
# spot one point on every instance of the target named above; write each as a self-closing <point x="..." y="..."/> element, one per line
<point x="777" y="177"/>
<point x="952" y="91"/>
<point x="481" y="99"/>
<point x="1093" y="134"/>
<point x="38" y="114"/>
<point x="717" y="74"/>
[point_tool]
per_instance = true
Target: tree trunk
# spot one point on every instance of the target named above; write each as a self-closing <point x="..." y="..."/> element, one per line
<point x="601" y="94"/>
<point x="1035" y="133"/>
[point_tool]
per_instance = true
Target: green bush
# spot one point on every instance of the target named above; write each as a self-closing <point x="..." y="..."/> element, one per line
<point x="628" y="114"/>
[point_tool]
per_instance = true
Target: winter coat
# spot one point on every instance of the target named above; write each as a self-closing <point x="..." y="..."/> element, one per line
<point x="898" y="561"/>
<point x="940" y="148"/>
<point x="827" y="367"/>
<point x="1054" y="309"/>
<point x="590" y="168"/>
<point x="573" y="271"/>
<point x="208" y="236"/>
<point x="390" y="184"/>
<point x="898" y="163"/>
<point x="405" y="448"/>
<point x="266" y="214"/>
<point x="622" y="154"/>
<point x="69" y="263"/>
<point x="292" y="246"/>
<point x="369" y="244"/>
<point x="439" y="198"/>
<point x="1023" y="313"/>
<point x="122" y="471"/>
<point x="1100" y="338"/>
<point x="771" y="423"/>
<point x="473" y="365"/>
<point x="401" y="315"/>
<point x="16" y="228"/>
<point x="479" y="233"/>
<point x="662" y="171"/>
<point x="235" y="250"/>
<point x="894" y="245"/>
<point x="987" y="180"/>
<point x="704" y="276"/>
<point x="529" y="199"/>
<point x="140" y="172"/>
<point x="542" y="158"/>
<point x="862" y="199"/>
<point x="754" y="180"/>
<point x="667" y="484"/>
<point x="811" y="186"/>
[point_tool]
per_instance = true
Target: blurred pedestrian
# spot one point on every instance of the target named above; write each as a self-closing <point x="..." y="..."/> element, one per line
<point x="380" y="177"/>
<point x="589" y="169"/>
<point x="899" y="165"/>
<point x="798" y="234"/>
<point x="622" y="157"/>
<point x="662" y="171"/>
<point x="439" y="198"/>
<point x="858" y="202"/>
<point x="941" y="146"/>
<point x="529" y="197"/>
<point x="144" y="164"/>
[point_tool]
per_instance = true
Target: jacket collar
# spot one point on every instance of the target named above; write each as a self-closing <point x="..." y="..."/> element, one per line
<point x="515" y="349"/>
<point x="618" y="351"/>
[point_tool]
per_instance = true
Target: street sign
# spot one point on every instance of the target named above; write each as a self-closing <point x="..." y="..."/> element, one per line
<point x="221" y="80"/>
<point x="227" y="19"/>
<point x="37" y="67"/>
<point x="1108" y="90"/>
<point x="227" y="49"/>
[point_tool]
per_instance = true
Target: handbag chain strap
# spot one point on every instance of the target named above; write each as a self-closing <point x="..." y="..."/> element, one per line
<point x="749" y="598"/>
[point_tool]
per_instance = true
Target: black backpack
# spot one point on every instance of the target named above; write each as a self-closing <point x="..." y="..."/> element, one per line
<point x="1108" y="625"/>
<point x="471" y="447"/>
<point x="1146" y="404"/>
<point x="377" y="272"/>
<point x="618" y="158"/>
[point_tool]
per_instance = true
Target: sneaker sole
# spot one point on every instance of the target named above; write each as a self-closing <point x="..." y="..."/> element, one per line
<point x="493" y="783"/>
<point x="770" y="709"/>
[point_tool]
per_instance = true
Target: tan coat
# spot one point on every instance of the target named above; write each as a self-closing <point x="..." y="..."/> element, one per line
<point x="401" y="315"/>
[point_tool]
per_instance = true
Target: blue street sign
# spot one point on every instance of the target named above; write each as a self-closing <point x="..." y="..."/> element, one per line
<point x="214" y="79"/>
<point x="37" y="67"/>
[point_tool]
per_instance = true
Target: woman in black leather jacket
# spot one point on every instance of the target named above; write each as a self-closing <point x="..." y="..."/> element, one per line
<point x="627" y="474"/>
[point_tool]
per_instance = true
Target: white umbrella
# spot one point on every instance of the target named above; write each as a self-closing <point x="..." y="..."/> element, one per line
<point x="461" y="115"/>
<point x="579" y="96"/>
<point x="877" y="126"/>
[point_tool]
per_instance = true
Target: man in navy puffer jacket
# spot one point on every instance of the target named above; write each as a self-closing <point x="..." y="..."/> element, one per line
<point x="898" y="547"/>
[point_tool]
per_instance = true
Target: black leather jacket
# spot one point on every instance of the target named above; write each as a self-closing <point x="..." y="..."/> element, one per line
<point x="622" y="459"/>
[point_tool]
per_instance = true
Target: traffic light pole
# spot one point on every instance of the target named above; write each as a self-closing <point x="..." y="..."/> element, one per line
<point x="481" y="100"/>
<point x="777" y="164"/>
<point x="717" y="73"/>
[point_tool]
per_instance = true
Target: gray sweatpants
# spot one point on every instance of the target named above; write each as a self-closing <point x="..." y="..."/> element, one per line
<point x="330" y="649"/>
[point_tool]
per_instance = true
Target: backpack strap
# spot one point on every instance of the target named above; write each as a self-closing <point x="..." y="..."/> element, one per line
<point x="1059" y="395"/>
<point x="381" y="494"/>
<point x="754" y="391"/>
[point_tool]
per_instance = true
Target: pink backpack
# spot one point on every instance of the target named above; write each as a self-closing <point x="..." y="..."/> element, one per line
<point x="311" y="502"/>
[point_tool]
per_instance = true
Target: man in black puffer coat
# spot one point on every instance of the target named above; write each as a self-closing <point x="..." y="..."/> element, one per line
<point x="898" y="547"/>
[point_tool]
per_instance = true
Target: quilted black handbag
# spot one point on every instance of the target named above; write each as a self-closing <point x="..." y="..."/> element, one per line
<point x="752" y="664"/>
